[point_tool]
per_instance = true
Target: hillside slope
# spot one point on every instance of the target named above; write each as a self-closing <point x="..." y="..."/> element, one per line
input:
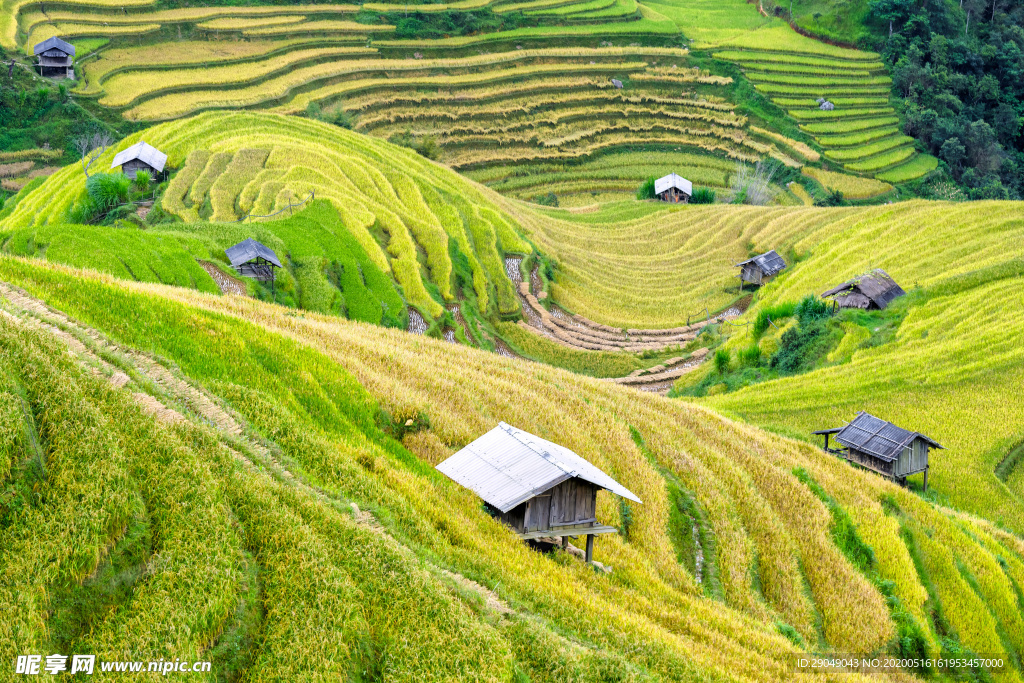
<point x="223" y="467"/>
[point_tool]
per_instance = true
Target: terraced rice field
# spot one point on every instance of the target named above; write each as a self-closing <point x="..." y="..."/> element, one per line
<point x="799" y="72"/>
<point x="280" y="462"/>
<point x="228" y="171"/>
<point x="629" y="268"/>
<point x="534" y="95"/>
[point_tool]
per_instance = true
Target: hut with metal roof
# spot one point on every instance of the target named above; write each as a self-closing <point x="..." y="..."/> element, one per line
<point x="537" y="487"/>
<point x="882" y="447"/>
<point x="54" y="58"/>
<point x="872" y="290"/>
<point x="253" y="259"/>
<point x="761" y="268"/>
<point x="140" y="157"/>
<point x="673" y="188"/>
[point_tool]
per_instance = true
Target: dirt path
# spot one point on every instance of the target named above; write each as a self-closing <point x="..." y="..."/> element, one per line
<point x="226" y="283"/>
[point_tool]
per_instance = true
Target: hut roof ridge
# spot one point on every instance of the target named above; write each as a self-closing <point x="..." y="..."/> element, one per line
<point x="875" y="436"/>
<point x="54" y="42"/>
<point x="673" y="180"/>
<point x="143" y="152"/>
<point x="507" y="466"/>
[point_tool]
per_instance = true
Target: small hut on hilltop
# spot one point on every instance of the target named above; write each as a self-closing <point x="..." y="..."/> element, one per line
<point x="882" y="447"/>
<point x="54" y="57"/>
<point x="872" y="290"/>
<point x="538" y="488"/>
<point x="140" y="157"/>
<point x="761" y="268"/>
<point x="673" y="188"/>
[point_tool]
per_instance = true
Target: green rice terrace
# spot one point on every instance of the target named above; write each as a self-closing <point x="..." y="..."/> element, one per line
<point x="528" y="97"/>
<point x="378" y="342"/>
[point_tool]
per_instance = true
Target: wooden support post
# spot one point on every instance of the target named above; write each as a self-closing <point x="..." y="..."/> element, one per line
<point x="926" y="480"/>
<point x="826" y="441"/>
<point x="590" y="548"/>
<point x="565" y="542"/>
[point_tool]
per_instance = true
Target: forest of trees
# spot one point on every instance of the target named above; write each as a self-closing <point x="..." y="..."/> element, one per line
<point x="960" y="68"/>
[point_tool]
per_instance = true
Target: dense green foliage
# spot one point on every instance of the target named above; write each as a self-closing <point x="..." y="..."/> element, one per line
<point x="961" y="70"/>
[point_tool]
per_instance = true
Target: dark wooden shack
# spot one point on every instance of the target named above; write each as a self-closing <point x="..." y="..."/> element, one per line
<point x="537" y="487"/>
<point x="882" y="447"/>
<point x="761" y="268"/>
<point x="54" y="58"/>
<point x="872" y="290"/>
<point x="140" y="157"/>
<point x="673" y="188"/>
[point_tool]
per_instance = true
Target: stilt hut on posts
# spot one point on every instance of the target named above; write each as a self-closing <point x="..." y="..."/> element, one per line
<point x="882" y="447"/>
<point x="761" y="268"/>
<point x="140" y="157"/>
<point x="673" y="188"/>
<point x="538" y="488"/>
<point x="872" y="290"/>
<point x="253" y="259"/>
<point x="54" y="57"/>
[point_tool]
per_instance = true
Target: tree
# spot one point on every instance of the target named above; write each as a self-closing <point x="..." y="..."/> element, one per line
<point x="90" y="147"/>
<point x="953" y="153"/>
<point x="891" y="11"/>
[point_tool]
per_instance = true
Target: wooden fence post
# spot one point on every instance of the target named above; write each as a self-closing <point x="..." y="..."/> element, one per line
<point x="590" y="548"/>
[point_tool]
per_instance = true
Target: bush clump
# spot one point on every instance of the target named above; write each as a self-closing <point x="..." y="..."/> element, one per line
<point x="646" y="190"/>
<point x="703" y="195"/>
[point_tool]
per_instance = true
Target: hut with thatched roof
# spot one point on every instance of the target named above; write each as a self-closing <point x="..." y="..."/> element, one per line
<point x="873" y="290"/>
<point x="761" y="268"/>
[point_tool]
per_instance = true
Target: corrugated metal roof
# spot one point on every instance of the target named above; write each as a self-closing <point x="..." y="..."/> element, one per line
<point x="769" y="262"/>
<point x="57" y="43"/>
<point x="246" y="251"/>
<point x="673" y="180"/>
<point x="876" y="286"/>
<point x="143" y="152"/>
<point x="507" y="466"/>
<point x="869" y="434"/>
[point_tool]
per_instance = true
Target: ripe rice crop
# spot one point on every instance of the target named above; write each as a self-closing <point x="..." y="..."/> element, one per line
<point x="241" y="23"/>
<point x="852" y="187"/>
<point x="126" y="88"/>
<point x="73" y="30"/>
<point x="31" y="154"/>
<point x="11" y="9"/>
<point x="322" y="27"/>
<point x="802" y="150"/>
<point x="224" y="191"/>
<point x="652" y="618"/>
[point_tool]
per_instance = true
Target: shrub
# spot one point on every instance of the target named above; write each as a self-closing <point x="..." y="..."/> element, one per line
<point x="722" y="360"/>
<point x="771" y="314"/>
<point x="142" y="180"/>
<point x="750" y="356"/>
<point x="810" y="309"/>
<point x="646" y="190"/>
<point x="703" y="195"/>
<point x="107" y="190"/>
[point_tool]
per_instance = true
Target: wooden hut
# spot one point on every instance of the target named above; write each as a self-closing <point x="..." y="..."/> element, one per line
<point x="826" y="106"/>
<point x="882" y="447"/>
<point x="673" y="188"/>
<point x="873" y="290"/>
<point x="617" y="83"/>
<point x="538" y="488"/>
<point x="140" y="157"/>
<point x="252" y="259"/>
<point x="761" y="268"/>
<point x="54" y="57"/>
